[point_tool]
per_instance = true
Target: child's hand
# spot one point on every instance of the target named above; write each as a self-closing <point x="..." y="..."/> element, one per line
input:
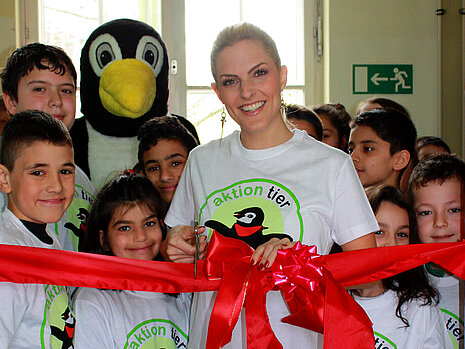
<point x="179" y="245"/>
<point x="269" y="250"/>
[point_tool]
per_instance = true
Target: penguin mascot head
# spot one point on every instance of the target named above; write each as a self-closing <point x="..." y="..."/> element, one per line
<point x="124" y="83"/>
<point x="124" y="77"/>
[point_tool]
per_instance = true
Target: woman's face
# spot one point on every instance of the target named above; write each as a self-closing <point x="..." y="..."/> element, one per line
<point x="249" y="84"/>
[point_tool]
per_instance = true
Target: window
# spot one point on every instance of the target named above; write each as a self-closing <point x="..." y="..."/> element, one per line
<point x="190" y="41"/>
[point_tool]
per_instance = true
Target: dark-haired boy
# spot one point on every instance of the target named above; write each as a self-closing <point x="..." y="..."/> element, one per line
<point x="164" y="146"/>
<point x="437" y="191"/>
<point x="43" y="77"/>
<point x="381" y="144"/>
<point x="37" y="173"/>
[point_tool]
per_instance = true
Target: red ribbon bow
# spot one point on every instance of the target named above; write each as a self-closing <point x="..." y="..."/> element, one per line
<point x="316" y="301"/>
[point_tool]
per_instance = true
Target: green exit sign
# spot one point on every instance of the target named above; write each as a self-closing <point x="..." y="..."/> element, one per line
<point x="382" y="78"/>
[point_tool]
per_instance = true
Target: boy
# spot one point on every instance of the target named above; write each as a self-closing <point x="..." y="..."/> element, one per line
<point x="37" y="174"/>
<point x="381" y="144"/>
<point x="164" y="146"/>
<point x="43" y="77"/>
<point x="437" y="191"/>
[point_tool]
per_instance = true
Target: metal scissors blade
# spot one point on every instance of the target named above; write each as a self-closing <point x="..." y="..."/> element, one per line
<point x="197" y="246"/>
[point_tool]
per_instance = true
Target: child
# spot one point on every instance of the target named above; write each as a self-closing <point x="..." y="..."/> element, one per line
<point x="304" y="119"/>
<point x="43" y="77"/>
<point x="403" y="309"/>
<point x="380" y="103"/>
<point x="124" y="222"/>
<point x="389" y="104"/>
<point x="164" y="146"/>
<point x="336" y="124"/>
<point x="436" y="189"/>
<point x="381" y="145"/>
<point x="37" y="174"/>
<point x="428" y="145"/>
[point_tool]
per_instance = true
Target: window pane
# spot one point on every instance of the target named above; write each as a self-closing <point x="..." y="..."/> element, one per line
<point x="283" y="21"/>
<point x="141" y="10"/>
<point x="200" y="35"/>
<point x="204" y="111"/>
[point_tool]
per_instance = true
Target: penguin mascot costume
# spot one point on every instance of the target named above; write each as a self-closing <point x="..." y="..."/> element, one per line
<point x="124" y="83"/>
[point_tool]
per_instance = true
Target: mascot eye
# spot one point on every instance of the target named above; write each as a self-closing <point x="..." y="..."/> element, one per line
<point x="104" y="54"/>
<point x="150" y="51"/>
<point x="103" y="50"/>
<point x="150" y="54"/>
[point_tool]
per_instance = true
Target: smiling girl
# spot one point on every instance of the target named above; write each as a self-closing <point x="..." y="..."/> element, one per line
<point x="124" y="222"/>
<point x="403" y="308"/>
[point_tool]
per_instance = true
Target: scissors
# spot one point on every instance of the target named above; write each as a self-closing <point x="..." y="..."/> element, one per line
<point x="197" y="246"/>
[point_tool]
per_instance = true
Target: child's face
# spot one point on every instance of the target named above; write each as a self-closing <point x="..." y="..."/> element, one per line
<point x="439" y="211"/>
<point x="372" y="158"/>
<point x="134" y="232"/>
<point x="330" y="133"/>
<point x="394" y="225"/>
<point x="41" y="185"/>
<point x="46" y="91"/>
<point x="163" y="166"/>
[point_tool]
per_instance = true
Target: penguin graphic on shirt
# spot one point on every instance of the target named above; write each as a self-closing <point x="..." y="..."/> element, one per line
<point x="65" y="335"/>
<point x="82" y="229"/>
<point x="248" y="227"/>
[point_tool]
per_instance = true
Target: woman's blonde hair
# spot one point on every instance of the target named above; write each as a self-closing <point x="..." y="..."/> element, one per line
<point x="238" y="32"/>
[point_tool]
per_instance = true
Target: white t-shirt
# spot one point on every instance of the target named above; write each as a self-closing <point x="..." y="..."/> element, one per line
<point x="130" y="319"/>
<point x="31" y="315"/>
<point x="449" y="304"/>
<point x="425" y="330"/>
<point x="302" y="188"/>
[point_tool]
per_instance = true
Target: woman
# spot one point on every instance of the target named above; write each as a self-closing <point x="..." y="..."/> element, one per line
<point x="264" y="184"/>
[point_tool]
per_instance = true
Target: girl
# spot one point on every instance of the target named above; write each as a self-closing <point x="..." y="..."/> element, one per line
<point x="336" y="128"/>
<point x="124" y="222"/>
<point x="264" y="184"/>
<point x="304" y="119"/>
<point x="164" y="146"/>
<point x="403" y="308"/>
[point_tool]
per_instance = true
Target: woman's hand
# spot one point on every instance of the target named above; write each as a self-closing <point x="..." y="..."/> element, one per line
<point x="269" y="250"/>
<point x="179" y="245"/>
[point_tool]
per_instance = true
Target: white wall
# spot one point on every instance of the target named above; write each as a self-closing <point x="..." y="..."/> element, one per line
<point x="384" y="32"/>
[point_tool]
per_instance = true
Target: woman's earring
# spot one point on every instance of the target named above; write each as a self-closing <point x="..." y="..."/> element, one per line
<point x="283" y="108"/>
<point x="223" y="120"/>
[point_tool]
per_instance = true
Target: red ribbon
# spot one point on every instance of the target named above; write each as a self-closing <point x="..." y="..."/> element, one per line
<point x="299" y="273"/>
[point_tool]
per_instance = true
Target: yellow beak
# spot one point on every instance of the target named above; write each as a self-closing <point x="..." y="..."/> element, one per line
<point x="127" y="88"/>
